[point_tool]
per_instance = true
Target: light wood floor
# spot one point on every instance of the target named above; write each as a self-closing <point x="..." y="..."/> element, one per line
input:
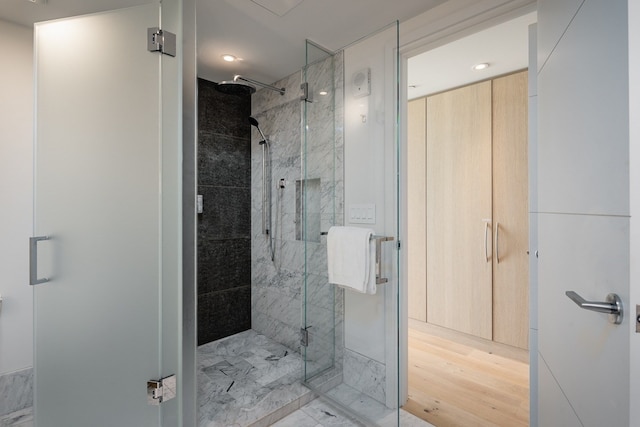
<point x="454" y="384"/>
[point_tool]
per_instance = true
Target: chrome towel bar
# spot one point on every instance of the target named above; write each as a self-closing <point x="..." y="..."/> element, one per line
<point x="379" y="239"/>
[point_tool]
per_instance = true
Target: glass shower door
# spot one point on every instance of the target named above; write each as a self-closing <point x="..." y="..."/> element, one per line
<point x="350" y="178"/>
<point x="317" y="189"/>
<point x="105" y="262"/>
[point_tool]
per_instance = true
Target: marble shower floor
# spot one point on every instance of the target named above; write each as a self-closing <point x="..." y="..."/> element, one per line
<point x="249" y="380"/>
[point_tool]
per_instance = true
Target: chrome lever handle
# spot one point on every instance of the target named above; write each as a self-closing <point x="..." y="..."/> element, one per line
<point x="612" y="306"/>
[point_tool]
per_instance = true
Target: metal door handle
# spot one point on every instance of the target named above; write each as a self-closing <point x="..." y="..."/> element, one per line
<point x="486" y="251"/>
<point x="497" y="246"/>
<point x="612" y="306"/>
<point x="33" y="260"/>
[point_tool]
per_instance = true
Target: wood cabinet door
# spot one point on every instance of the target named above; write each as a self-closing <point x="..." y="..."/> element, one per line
<point x="416" y="215"/>
<point x="458" y="194"/>
<point x="510" y="211"/>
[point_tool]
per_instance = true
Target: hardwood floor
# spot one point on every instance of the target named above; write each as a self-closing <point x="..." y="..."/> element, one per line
<point x="455" y="384"/>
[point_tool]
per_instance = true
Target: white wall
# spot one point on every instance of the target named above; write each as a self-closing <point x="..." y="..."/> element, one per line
<point x="369" y="146"/>
<point x="369" y="158"/>
<point x="533" y="225"/>
<point x="16" y="206"/>
<point x="634" y="191"/>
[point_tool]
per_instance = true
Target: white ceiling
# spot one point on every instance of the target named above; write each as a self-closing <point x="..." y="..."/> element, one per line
<point x="271" y="45"/>
<point x="504" y="47"/>
<point x="270" y="36"/>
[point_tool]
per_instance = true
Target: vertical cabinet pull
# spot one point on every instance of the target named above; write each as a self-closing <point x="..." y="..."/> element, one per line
<point x="497" y="243"/>
<point x="486" y="249"/>
<point x="33" y="260"/>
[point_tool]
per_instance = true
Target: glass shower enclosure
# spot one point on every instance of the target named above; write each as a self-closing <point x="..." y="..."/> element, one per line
<point x="349" y="153"/>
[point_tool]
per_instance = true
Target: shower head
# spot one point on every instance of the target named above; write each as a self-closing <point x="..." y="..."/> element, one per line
<point x="232" y="87"/>
<point x="254" y="122"/>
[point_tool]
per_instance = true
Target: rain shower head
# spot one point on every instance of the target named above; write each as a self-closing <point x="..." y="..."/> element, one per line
<point x="241" y="84"/>
<point x="232" y="87"/>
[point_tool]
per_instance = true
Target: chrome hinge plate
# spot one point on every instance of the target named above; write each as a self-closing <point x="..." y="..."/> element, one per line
<point x="307" y="95"/>
<point x="304" y="337"/>
<point x="161" y="41"/>
<point x="161" y="390"/>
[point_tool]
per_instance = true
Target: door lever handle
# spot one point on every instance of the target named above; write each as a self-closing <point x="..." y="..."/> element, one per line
<point x="612" y="306"/>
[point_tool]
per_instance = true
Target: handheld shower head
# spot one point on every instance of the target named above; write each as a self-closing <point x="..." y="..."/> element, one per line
<point x="254" y="122"/>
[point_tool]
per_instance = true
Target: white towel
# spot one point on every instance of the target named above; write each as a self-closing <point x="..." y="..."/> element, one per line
<point x="351" y="258"/>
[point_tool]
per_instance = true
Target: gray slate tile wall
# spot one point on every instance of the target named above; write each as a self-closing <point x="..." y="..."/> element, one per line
<point x="224" y="227"/>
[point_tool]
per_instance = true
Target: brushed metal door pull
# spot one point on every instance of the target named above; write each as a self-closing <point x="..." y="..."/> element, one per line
<point x="612" y="306"/>
<point x="33" y="260"/>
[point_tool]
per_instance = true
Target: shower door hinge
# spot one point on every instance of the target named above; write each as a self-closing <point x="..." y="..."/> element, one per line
<point x="161" y="41"/>
<point x="398" y="246"/>
<point x="306" y="95"/>
<point x="161" y="390"/>
<point x="304" y="336"/>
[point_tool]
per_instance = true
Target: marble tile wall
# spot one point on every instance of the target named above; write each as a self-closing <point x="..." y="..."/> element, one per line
<point x="279" y="288"/>
<point x="224" y="227"/>
<point x="16" y="391"/>
<point x="276" y="285"/>
<point x="365" y="375"/>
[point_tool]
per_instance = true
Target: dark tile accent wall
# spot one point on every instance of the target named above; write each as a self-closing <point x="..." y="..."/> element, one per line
<point x="224" y="227"/>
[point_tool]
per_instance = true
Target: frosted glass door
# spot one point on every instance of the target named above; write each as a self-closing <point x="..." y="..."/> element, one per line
<point x="99" y="198"/>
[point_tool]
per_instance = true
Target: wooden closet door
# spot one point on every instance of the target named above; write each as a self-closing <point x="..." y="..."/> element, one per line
<point x="458" y="205"/>
<point x="416" y="214"/>
<point x="510" y="211"/>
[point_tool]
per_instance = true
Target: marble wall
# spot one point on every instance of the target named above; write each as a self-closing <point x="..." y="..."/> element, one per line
<point x="276" y="285"/>
<point x="294" y="289"/>
<point x="224" y="227"/>
<point x="16" y="391"/>
<point x="312" y="162"/>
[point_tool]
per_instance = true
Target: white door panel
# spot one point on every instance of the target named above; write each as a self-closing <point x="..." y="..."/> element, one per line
<point x="553" y="16"/>
<point x="583" y="212"/>
<point x="589" y="255"/>
<point x="583" y="149"/>
<point x="557" y="409"/>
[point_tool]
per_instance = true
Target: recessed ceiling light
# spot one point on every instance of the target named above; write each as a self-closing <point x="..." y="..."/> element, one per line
<point x="229" y="58"/>
<point x="37" y="1"/>
<point x="323" y="92"/>
<point x="480" y="66"/>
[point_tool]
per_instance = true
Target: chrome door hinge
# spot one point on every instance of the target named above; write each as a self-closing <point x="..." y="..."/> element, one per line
<point x="161" y="41"/>
<point x="304" y="336"/>
<point x="161" y="390"/>
<point x="307" y="95"/>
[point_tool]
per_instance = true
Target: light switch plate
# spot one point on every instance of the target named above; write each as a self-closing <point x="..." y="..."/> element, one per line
<point x="362" y="213"/>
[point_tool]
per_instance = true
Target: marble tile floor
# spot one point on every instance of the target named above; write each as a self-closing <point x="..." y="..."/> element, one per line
<point x="249" y="380"/>
<point x="319" y="413"/>
<point x="314" y="414"/>
<point x="22" y="418"/>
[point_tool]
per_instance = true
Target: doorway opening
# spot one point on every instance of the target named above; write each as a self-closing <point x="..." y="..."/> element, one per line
<point x="467" y="229"/>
